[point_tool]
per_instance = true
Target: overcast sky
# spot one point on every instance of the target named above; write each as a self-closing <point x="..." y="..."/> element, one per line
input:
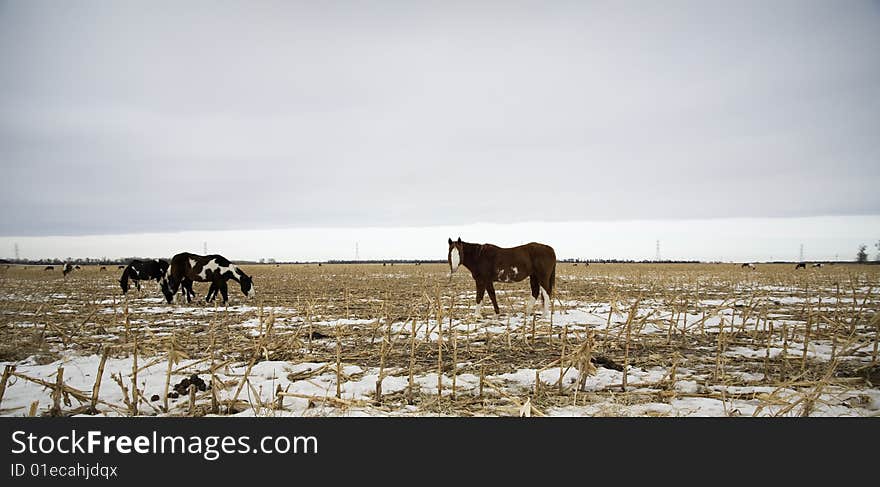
<point x="121" y="118"/>
<point x="736" y="240"/>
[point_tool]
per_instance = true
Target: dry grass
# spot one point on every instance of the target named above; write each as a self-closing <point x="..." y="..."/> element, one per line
<point x="773" y="307"/>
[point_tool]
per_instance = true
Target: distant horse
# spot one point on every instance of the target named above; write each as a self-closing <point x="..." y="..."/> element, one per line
<point x="77" y="267"/>
<point x="103" y="268"/>
<point x="186" y="268"/>
<point x="120" y="267"/>
<point x="140" y="270"/>
<point x="749" y="265"/>
<point x="49" y="268"/>
<point x="801" y="265"/>
<point x="67" y="269"/>
<point x="489" y="263"/>
<point x="817" y="264"/>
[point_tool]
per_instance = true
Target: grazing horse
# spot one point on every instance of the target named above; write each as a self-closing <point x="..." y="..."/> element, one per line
<point x="49" y="268"/>
<point x="801" y="265"/>
<point x="489" y="263"/>
<point x="817" y="264"/>
<point x="103" y="268"/>
<point x="120" y="267"/>
<point x="67" y="269"/>
<point x="749" y="265"/>
<point x="138" y="270"/>
<point x="186" y="268"/>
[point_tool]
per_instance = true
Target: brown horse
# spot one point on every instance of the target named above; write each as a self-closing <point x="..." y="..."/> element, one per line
<point x="489" y="264"/>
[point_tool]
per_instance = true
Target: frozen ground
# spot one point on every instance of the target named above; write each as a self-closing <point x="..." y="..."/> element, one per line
<point x="715" y="343"/>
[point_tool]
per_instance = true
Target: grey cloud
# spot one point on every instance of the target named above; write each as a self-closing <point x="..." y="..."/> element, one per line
<point x="128" y="117"/>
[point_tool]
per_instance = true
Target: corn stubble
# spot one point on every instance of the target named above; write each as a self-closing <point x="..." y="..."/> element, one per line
<point x="716" y="324"/>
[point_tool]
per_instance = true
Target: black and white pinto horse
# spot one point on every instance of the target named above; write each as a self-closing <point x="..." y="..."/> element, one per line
<point x="748" y="265"/>
<point x="186" y="268"/>
<point x="67" y="269"/>
<point x="801" y="265"/>
<point x="142" y="270"/>
<point x="489" y="264"/>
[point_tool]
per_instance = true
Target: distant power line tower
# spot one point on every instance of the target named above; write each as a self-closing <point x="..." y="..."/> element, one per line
<point x="205" y="248"/>
<point x="357" y="251"/>
<point x="801" y="259"/>
<point x="16" y="251"/>
<point x="657" y="256"/>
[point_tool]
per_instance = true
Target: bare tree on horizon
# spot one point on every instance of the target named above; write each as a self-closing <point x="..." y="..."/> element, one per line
<point x="862" y="256"/>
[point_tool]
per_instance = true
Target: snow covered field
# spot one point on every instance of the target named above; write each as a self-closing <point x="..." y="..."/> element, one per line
<point x="356" y="340"/>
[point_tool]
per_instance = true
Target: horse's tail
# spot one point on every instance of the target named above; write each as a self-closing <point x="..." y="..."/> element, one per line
<point x="123" y="281"/>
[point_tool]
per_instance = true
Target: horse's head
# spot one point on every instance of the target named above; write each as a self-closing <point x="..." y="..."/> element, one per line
<point x="247" y="285"/>
<point x="454" y="256"/>
<point x="166" y="290"/>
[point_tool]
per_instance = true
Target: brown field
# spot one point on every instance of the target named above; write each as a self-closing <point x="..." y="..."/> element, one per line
<point x="624" y="339"/>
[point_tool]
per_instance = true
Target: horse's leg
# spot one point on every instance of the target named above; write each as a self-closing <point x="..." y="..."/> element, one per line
<point x="180" y="287"/>
<point x="173" y="286"/>
<point x="137" y="284"/>
<point x="546" y="290"/>
<point x="481" y="290"/>
<point x="491" y="289"/>
<point x="188" y="290"/>
<point x="211" y="292"/>
<point x="190" y="293"/>
<point x="224" y="291"/>
<point x="536" y="291"/>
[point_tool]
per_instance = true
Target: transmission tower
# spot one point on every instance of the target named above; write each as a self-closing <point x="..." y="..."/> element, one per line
<point x="657" y="256"/>
<point x="356" y="251"/>
<point x="801" y="254"/>
<point x="205" y="248"/>
<point x="16" y="251"/>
